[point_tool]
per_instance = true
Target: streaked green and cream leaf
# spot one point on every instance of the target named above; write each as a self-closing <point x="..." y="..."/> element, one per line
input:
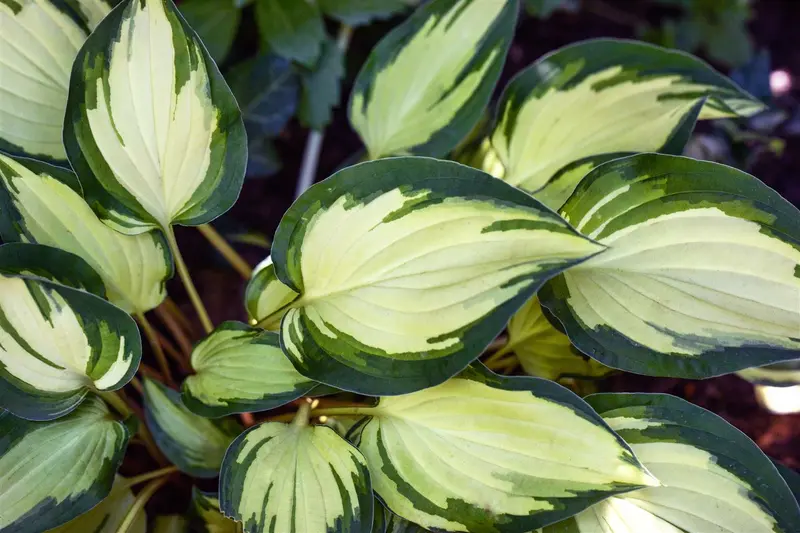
<point x="241" y="369"/>
<point x="205" y="516"/>
<point x="107" y="515"/>
<point x="388" y="522"/>
<point x="152" y="129"/>
<point x="702" y="274"/>
<point x="49" y="264"/>
<point x="786" y="374"/>
<point x="517" y="453"/>
<point x="38" y="44"/>
<point x="715" y="479"/>
<point x="52" y="472"/>
<point x="296" y="478"/>
<point x="407" y="100"/>
<point x="407" y="268"/>
<point x="266" y="297"/>
<point x="193" y="443"/>
<point x="591" y="101"/>
<point x="543" y="351"/>
<point x="43" y="204"/>
<point x="57" y="342"/>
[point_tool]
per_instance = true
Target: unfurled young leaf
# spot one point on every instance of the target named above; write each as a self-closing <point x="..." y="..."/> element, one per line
<point x="205" y="516"/>
<point x="596" y="100"/>
<point x="41" y="203"/>
<point x="359" y="12"/>
<point x="57" y="342"/>
<point x="215" y="22"/>
<point x="517" y="453"/>
<point x="195" y="444"/>
<point x="714" y="478"/>
<point x="407" y="268"/>
<point x="266" y="297"/>
<point x="543" y="351"/>
<point x="51" y="472"/>
<point x="427" y="82"/>
<point x="785" y="374"/>
<point x="241" y="369"/>
<point x="702" y="274"/>
<point x="321" y="87"/>
<point x="39" y="42"/>
<point x="267" y="90"/>
<point x="291" y="28"/>
<point x="296" y="478"/>
<point x="152" y="130"/>
<point x="107" y="516"/>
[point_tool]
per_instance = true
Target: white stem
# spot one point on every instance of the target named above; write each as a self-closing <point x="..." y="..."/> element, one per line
<point x="310" y="159"/>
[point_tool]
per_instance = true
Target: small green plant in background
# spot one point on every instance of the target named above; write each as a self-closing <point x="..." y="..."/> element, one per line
<point x="371" y="381"/>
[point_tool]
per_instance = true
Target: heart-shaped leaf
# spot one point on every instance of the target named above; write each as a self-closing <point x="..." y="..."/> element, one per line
<point x="407" y="268"/>
<point x="714" y="477"/>
<point x="296" y="478"/>
<point x="52" y="472"/>
<point x="57" y="342"/>
<point x="241" y="369"/>
<point x="427" y="82"/>
<point x="595" y="100"/>
<point x="702" y="274"/>
<point x="152" y="129"/>
<point x="483" y="451"/>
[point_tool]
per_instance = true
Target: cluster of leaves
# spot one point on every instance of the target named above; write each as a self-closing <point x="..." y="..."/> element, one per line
<point x="573" y="225"/>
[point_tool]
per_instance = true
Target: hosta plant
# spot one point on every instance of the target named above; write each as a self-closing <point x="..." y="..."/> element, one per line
<point x="371" y="388"/>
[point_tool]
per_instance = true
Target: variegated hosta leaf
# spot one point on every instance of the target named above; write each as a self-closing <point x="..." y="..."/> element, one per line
<point x="407" y="268"/>
<point x="427" y="82"/>
<point x="702" y="276"/>
<point x="490" y="453"/>
<point x="791" y="477"/>
<point x="152" y="129"/>
<point x="205" y="516"/>
<point x="386" y="521"/>
<point x="786" y="374"/>
<point x="51" y="472"/>
<point x="36" y="260"/>
<point x="43" y="204"/>
<point x="108" y="515"/>
<point x="195" y="444"/>
<point x="714" y="478"/>
<point x="542" y="350"/>
<point x="57" y="342"/>
<point x="241" y="369"/>
<point x="266" y="296"/>
<point x="38" y="44"/>
<point x="592" y="101"/>
<point x="296" y="478"/>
